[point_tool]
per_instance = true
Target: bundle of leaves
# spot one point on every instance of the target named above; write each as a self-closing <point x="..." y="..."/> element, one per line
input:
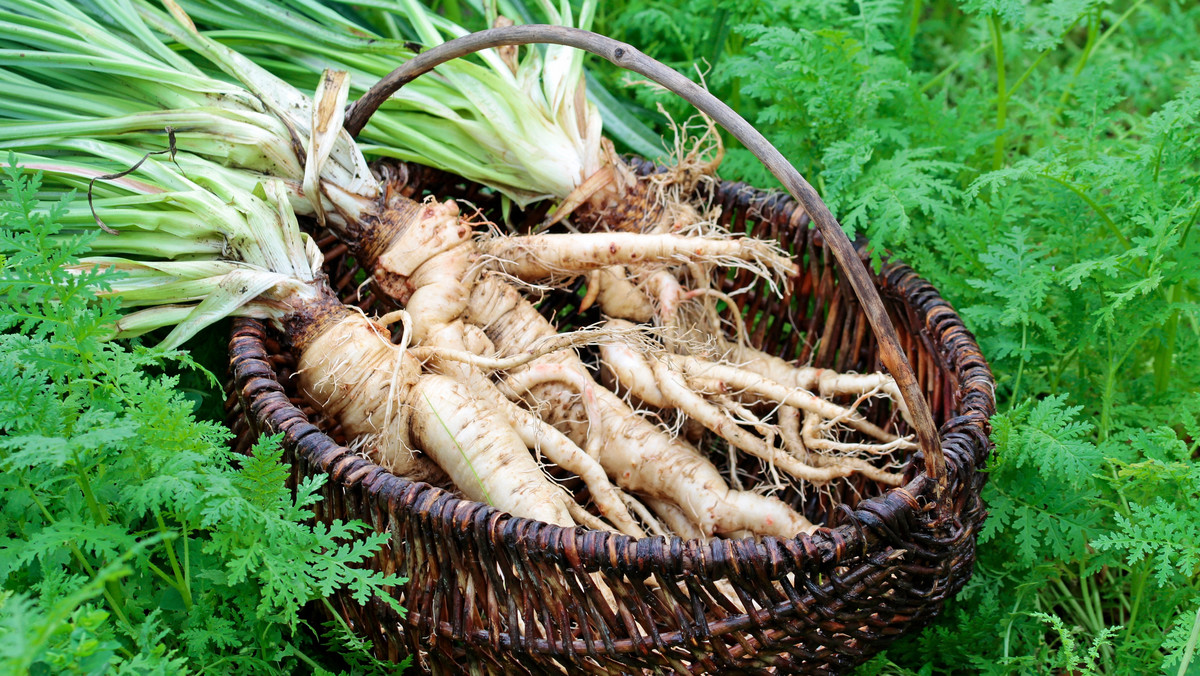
<point x="1040" y="163"/>
<point x="133" y="540"/>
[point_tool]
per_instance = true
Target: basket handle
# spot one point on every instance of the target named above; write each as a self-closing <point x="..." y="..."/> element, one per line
<point x="625" y="56"/>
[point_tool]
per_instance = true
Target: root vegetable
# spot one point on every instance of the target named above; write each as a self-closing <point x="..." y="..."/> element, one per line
<point x="422" y="255"/>
<point x="347" y="366"/>
<point x="827" y="382"/>
<point x="542" y="257"/>
<point x="375" y="390"/>
<point x="429" y="269"/>
<point x="636" y="453"/>
<point x="662" y="380"/>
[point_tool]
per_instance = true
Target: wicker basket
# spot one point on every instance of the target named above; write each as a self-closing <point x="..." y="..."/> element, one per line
<point x="490" y="593"/>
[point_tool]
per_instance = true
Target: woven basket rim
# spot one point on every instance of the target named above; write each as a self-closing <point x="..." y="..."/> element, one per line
<point x="881" y="519"/>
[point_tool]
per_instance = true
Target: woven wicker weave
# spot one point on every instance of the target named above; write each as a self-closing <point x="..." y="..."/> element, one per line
<point x="490" y="593"/>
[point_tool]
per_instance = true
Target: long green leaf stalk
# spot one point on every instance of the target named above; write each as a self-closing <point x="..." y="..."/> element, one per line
<point x="522" y="126"/>
<point x="192" y="245"/>
<point x="151" y="95"/>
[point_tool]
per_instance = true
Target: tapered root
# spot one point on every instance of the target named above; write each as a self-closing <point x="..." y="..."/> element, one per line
<point x="635" y="453"/>
<point x="354" y="374"/>
<point x="827" y="382"/>
<point x="543" y="257"/>
<point x="697" y="389"/>
<point x="563" y="452"/>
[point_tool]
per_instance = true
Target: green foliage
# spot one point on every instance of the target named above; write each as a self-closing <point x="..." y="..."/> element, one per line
<point x="1039" y="161"/>
<point x="131" y="539"/>
<point x="1067" y="657"/>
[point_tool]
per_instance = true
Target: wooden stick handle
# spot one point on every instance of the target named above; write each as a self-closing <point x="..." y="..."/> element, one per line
<point x="625" y="56"/>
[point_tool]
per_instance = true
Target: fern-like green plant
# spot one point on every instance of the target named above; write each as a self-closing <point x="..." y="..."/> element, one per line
<point x="132" y="539"/>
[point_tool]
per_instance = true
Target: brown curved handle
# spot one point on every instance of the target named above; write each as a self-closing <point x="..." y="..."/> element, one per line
<point x="625" y="56"/>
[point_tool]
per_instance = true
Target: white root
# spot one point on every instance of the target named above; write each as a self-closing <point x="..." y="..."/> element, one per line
<point x="545" y="257"/>
<point x="465" y="325"/>
<point x="644" y="514"/>
<point x="724" y="378"/>
<point x="675" y="519"/>
<point x="664" y="383"/>
<point x="564" y="453"/>
<point x="635" y="453"/>
<point x="675" y="387"/>
<point x="525" y="380"/>
<point x="718" y="378"/>
<point x="545" y="346"/>
<point x="435" y="290"/>
<point x="353" y="373"/>
<point x="827" y="382"/>
<point x="587" y="520"/>
<point x="618" y="296"/>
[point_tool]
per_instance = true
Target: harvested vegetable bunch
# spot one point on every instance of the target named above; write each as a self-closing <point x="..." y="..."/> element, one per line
<point x="409" y="231"/>
<point x="758" y="378"/>
<point x="521" y="127"/>
<point x="433" y="291"/>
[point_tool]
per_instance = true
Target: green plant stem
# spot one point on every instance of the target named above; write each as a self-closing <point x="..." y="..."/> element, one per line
<point x="1165" y="353"/>
<point x="112" y="588"/>
<point x="1085" y="596"/>
<point x="1021" y="80"/>
<point x="1092" y="36"/>
<point x="182" y="582"/>
<point x="1110" y="381"/>
<point x="1090" y="592"/>
<point x="1187" y="229"/>
<point x="1069" y="599"/>
<point x="1063" y="364"/>
<point x="108" y="591"/>
<point x="187" y="561"/>
<point x="164" y="576"/>
<point x="1020" y="367"/>
<point x="1123" y="605"/>
<point x="1093" y="43"/>
<point x="1139" y="586"/>
<point x="1001" y="92"/>
<point x="75" y="551"/>
<point x="307" y="660"/>
<point x="1117" y="24"/>
<point x="94" y="505"/>
<point x="1186" y="661"/>
<point x="914" y="19"/>
<point x="1012" y="618"/>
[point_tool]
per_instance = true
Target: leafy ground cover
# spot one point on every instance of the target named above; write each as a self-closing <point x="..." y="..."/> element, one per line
<point x="1040" y="163"/>
<point x="131" y="540"/>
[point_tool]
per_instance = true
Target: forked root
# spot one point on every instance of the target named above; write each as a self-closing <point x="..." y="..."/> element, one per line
<point x="699" y="390"/>
<point x="537" y="258"/>
<point x="373" y="388"/>
<point x="718" y="378"/>
<point x="827" y="382"/>
<point x="563" y="452"/>
<point x="635" y="453"/>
